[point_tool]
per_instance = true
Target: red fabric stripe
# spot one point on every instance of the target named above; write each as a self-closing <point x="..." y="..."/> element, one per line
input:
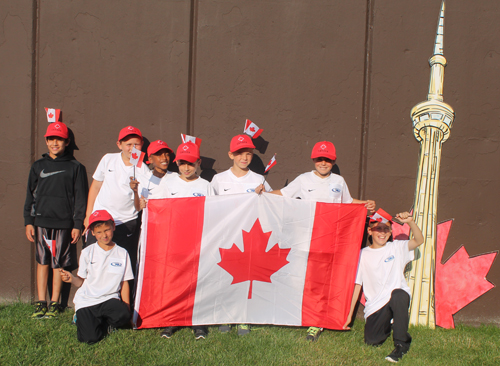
<point x="171" y="266"/>
<point x="332" y="264"/>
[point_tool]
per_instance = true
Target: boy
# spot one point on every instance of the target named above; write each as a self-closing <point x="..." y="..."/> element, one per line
<point x="102" y="279"/>
<point x="187" y="184"/>
<point x="152" y="184"/>
<point x="381" y="274"/>
<point x="53" y="214"/>
<point x="238" y="179"/>
<point x="321" y="185"/>
<point x="110" y="190"/>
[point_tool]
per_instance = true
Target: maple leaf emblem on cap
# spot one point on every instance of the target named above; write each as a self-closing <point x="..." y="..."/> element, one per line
<point x="323" y="146"/>
<point x="95" y="213"/>
<point x="241" y="138"/>
<point x="254" y="263"/>
<point x="50" y="115"/>
<point x="57" y="126"/>
<point x="185" y="148"/>
<point x="131" y="128"/>
<point x="135" y="156"/>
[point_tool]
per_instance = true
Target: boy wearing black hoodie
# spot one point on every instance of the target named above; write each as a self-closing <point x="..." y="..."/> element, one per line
<point x="54" y="211"/>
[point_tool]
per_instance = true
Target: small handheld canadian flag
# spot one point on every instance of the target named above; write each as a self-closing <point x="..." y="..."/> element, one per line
<point x="187" y="138"/>
<point x="137" y="157"/>
<point x="53" y="114"/>
<point x="252" y="129"/>
<point x="271" y="163"/>
<point x="381" y="216"/>
<point x="52" y="246"/>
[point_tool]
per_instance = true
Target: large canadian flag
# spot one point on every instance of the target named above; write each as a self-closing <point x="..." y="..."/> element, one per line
<point x="247" y="258"/>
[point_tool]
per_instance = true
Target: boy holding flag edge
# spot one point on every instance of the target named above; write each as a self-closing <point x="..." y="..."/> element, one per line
<point x="321" y="185"/>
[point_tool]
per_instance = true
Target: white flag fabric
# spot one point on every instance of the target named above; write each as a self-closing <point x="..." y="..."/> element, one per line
<point x="137" y="157"/>
<point x="52" y="114"/>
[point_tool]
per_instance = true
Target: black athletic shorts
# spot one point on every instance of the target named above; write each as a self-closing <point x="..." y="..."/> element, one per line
<point x="54" y="248"/>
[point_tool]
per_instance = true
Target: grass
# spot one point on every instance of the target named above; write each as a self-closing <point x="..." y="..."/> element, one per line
<point x="25" y="341"/>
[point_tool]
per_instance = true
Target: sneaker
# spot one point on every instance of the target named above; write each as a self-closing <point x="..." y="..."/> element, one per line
<point x="200" y="333"/>
<point x="111" y="329"/>
<point x="224" y="328"/>
<point x="74" y="319"/>
<point x="168" y="332"/>
<point x="397" y="353"/>
<point x="53" y="310"/>
<point x="243" y="329"/>
<point x="313" y="334"/>
<point x="40" y="310"/>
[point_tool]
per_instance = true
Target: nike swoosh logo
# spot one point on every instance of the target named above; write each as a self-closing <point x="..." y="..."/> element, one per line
<point x="109" y="170"/>
<point x="226" y="189"/>
<point x="45" y="175"/>
<point x="310" y="190"/>
<point x="173" y="193"/>
<point x="129" y="235"/>
<point x="92" y="262"/>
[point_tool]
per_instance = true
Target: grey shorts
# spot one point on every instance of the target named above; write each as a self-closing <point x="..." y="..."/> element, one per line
<point x="54" y="248"/>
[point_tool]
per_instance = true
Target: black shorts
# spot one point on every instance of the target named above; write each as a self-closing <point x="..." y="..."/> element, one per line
<point x="54" y="248"/>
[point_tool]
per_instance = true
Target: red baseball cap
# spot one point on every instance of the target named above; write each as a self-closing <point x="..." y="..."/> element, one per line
<point x="324" y="149"/>
<point x="156" y="146"/>
<point x="100" y="215"/>
<point x="129" y="130"/>
<point x="188" y="152"/>
<point x="241" y="142"/>
<point x="57" y="129"/>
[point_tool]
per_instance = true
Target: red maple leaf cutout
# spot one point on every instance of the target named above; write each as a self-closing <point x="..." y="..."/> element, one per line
<point x="134" y="156"/>
<point x="51" y="115"/>
<point x="252" y="129"/>
<point x="254" y="263"/>
<point x="460" y="280"/>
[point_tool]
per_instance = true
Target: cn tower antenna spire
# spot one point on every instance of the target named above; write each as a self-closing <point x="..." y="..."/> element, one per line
<point x="438" y="44"/>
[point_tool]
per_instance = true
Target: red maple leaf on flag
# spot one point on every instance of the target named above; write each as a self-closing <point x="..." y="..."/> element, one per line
<point x="134" y="156"/>
<point x="459" y="280"/>
<point x="254" y="263"/>
<point x="50" y="115"/>
<point x="252" y="129"/>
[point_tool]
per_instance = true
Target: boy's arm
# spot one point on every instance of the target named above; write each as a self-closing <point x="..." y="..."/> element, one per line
<point x="95" y="187"/>
<point x="369" y="204"/>
<point x="355" y="296"/>
<point x="134" y="186"/>
<point x="81" y="192"/>
<point x="418" y="237"/>
<point x="69" y="278"/>
<point x="125" y="293"/>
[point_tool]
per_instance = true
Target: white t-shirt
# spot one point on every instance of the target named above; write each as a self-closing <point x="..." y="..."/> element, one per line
<point x="152" y="187"/>
<point x="308" y="186"/>
<point x="103" y="272"/>
<point x="115" y="194"/>
<point x="380" y="271"/>
<point x="177" y="187"/>
<point x="227" y="183"/>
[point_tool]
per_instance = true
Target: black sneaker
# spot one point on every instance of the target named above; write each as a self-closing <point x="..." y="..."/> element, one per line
<point x="397" y="353"/>
<point x="200" y="334"/>
<point x="40" y="310"/>
<point x="54" y="310"/>
<point x="111" y="329"/>
<point x="313" y="334"/>
<point x="168" y="332"/>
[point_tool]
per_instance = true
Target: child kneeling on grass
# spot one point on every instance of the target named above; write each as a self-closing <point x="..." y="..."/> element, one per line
<point x="102" y="280"/>
<point x="380" y="273"/>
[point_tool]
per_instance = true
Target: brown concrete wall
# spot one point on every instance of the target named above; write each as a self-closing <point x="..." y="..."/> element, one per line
<point x="302" y="70"/>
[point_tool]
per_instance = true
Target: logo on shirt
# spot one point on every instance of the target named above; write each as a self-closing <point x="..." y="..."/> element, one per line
<point x="173" y="193"/>
<point x="336" y="190"/>
<point x="196" y="194"/>
<point x="226" y="189"/>
<point x="389" y="259"/>
<point x="45" y="175"/>
<point x="250" y="190"/>
<point x="310" y="190"/>
<point x="109" y="170"/>
<point x="116" y="264"/>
